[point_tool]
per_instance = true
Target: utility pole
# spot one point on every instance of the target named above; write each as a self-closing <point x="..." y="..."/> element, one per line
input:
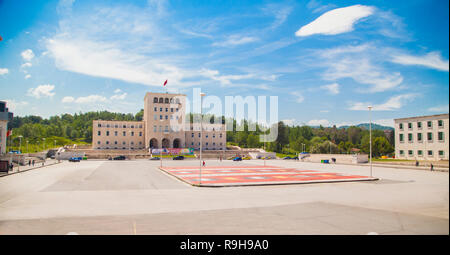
<point x="201" y="134"/>
<point x="370" y="137"/>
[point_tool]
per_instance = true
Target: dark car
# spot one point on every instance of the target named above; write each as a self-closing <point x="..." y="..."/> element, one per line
<point x="75" y="159"/>
<point x="237" y="159"/>
<point x="121" y="157"/>
<point x="154" y="158"/>
<point x="287" y="157"/>
<point x="178" y="158"/>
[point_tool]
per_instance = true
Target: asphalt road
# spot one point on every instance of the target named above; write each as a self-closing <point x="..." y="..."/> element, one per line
<point x="135" y="197"/>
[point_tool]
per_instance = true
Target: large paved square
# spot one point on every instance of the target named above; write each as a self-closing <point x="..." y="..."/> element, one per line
<point x="255" y="175"/>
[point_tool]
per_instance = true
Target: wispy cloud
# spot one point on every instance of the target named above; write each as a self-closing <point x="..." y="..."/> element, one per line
<point x="42" y="91"/>
<point x="299" y="96"/>
<point x="321" y="122"/>
<point x="439" y="108"/>
<point x="432" y="60"/>
<point x="337" y="21"/>
<point x="84" y="100"/>
<point x="332" y="88"/>
<point x="393" y="103"/>
<point x="235" y="40"/>
<point x="4" y="71"/>
<point x="27" y="55"/>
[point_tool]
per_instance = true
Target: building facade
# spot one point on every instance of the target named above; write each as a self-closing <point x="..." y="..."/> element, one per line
<point x="5" y="117"/>
<point x="422" y="138"/>
<point x="164" y="125"/>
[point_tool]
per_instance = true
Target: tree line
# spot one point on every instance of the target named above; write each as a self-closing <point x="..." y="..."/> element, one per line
<point x="77" y="128"/>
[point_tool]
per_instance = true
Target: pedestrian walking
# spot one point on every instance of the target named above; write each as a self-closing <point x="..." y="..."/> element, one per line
<point x="33" y="162"/>
<point x="431" y="168"/>
<point x="29" y="162"/>
<point x="203" y="163"/>
<point x="417" y="163"/>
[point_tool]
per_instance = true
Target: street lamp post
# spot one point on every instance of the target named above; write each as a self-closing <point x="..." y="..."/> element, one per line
<point x="201" y="134"/>
<point x="20" y="149"/>
<point x="43" y="143"/>
<point x="370" y="137"/>
<point x="27" y="147"/>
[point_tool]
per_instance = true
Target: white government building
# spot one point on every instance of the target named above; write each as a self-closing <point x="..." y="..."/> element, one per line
<point x="422" y="138"/>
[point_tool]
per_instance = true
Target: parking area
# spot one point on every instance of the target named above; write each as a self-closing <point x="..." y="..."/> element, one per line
<point x="136" y="197"/>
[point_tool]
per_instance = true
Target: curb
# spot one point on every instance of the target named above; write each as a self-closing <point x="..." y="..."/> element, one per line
<point x="30" y="169"/>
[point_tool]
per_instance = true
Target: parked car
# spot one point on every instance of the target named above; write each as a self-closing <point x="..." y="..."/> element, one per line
<point x="121" y="157"/>
<point x="287" y="157"/>
<point x="178" y="158"/>
<point x="15" y="152"/>
<point x="75" y="159"/>
<point x="154" y="158"/>
<point x="237" y="159"/>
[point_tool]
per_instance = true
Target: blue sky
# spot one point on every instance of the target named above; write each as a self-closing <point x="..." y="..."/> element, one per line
<point x="326" y="61"/>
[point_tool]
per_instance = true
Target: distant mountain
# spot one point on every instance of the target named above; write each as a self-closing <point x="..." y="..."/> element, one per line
<point x="374" y="126"/>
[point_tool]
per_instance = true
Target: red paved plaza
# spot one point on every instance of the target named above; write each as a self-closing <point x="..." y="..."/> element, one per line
<point x="255" y="175"/>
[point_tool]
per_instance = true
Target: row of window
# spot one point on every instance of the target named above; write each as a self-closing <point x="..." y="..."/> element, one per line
<point x="119" y="126"/>
<point x="167" y="109"/>
<point x="124" y="133"/>
<point x="420" y="139"/>
<point x="166" y="129"/>
<point x="420" y="153"/>
<point x="166" y="100"/>
<point x="419" y="124"/>
<point x="206" y="135"/>
<point x="213" y="144"/>
<point x="161" y="117"/>
<point x="115" y="142"/>
<point x="123" y="148"/>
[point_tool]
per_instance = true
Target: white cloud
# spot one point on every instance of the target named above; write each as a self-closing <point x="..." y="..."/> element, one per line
<point x="90" y="99"/>
<point x="223" y="79"/>
<point x="393" y="103"/>
<point x="28" y="64"/>
<point x="119" y="96"/>
<point x="234" y="40"/>
<point x="322" y="122"/>
<point x="117" y="91"/>
<point x="68" y="99"/>
<point x="42" y="91"/>
<point x="332" y="88"/>
<point x="299" y="96"/>
<point x="4" y="71"/>
<point x="440" y="108"/>
<point x="362" y="63"/>
<point x="289" y="122"/>
<point x="336" y="21"/>
<point x="432" y="60"/>
<point x="14" y="105"/>
<point x="27" y="55"/>
<point x="28" y="76"/>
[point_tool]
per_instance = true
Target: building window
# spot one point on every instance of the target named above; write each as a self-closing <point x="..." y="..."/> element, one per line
<point x="123" y="143"/>
<point x="140" y="143"/>
<point x="132" y="126"/>
<point x="107" y="133"/>
<point x="171" y="117"/>
<point x="440" y="123"/>
<point x="140" y="133"/>
<point x="160" y="117"/>
<point x="115" y="142"/>
<point x="430" y="136"/>
<point x="166" y="101"/>
<point x="176" y="110"/>
<point x="132" y="133"/>
<point x="167" y="109"/>
<point x="107" y="125"/>
<point x="401" y="137"/>
<point x="206" y="135"/>
<point x="402" y="152"/>
<point x="166" y="129"/>
<point x="99" y="125"/>
<point x="419" y="125"/>
<point x="155" y="109"/>
<point x="167" y="117"/>
<point x="171" y="109"/>
<point x="214" y="135"/>
<point x="441" y="136"/>
<point x="419" y="137"/>
<point x="192" y="143"/>
<point x="155" y="117"/>
<point x="98" y="142"/>
<point x="410" y="125"/>
<point x="124" y="133"/>
<point x="429" y="124"/>
<point x="107" y="142"/>
<point x="155" y="100"/>
<point x="124" y="126"/>
<point x="430" y="153"/>
<point x="401" y="126"/>
<point x="192" y="135"/>
<point x="441" y="154"/>
<point x="160" y="128"/>
<point x="410" y="152"/>
<point x="220" y="135"/>
<point x="161" y="100"/>
<point x="154" y="128"/>
<point x="199" y="135"/>
<point x="160" y="109"/>
<point x="410" y="137"/>
<point x="420" y="153"/>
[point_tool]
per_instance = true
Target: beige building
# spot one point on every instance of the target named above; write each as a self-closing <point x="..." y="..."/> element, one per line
<point x="5" y="117"/>
<point x="422" y="138"/>
<point x="163" y="126"/>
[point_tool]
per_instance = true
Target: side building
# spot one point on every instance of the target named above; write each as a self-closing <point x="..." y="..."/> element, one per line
<point x="5" y="117"/>
<point x="124" y="135"/>
<point x="422" y="138"/>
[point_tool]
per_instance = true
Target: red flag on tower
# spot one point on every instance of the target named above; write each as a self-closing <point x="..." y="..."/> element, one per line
<point x="165" y="83"/>
<point x="1" y="38"/>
